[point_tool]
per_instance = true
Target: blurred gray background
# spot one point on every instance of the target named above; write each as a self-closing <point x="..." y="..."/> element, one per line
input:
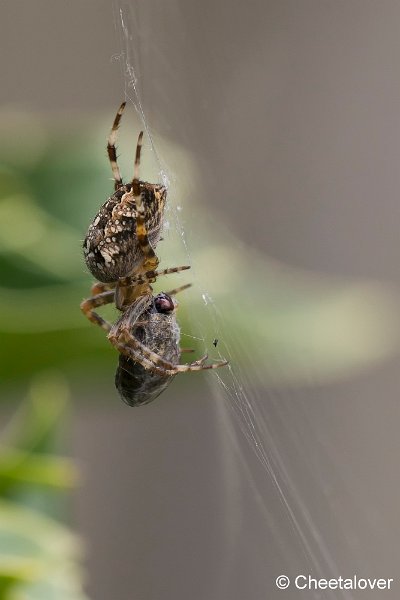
<point x="292" y="110"/>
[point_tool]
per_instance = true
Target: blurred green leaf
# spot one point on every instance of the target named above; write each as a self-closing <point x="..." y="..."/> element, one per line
<point x="41" y="239"/>
<point x="34" y="427"/>
<point x="39" y="557"/>
<point x="39" y="469"/>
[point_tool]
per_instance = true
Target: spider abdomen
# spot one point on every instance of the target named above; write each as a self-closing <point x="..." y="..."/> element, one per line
<point x="110" y="247"/>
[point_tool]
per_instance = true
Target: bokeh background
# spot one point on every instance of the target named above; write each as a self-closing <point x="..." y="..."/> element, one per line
<point x="277" y="125"/>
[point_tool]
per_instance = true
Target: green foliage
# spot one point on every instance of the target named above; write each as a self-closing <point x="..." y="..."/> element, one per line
<point x="39" y="557"/>
<point x="42" y="215"/>
<point x="45" y="206"/>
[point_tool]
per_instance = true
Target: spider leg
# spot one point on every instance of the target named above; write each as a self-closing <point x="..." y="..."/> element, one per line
<point x="99" y="288"/>
<point x="137" y="157"/>
<point x="111" y="150"/>
<point x="178" y="289"/>
<point x="151" y="276"/>
<point x="150" y="360"/>
<point x="89" y="304"/>
<point x="151" y="259"/>
<point x="200" y="361"/>
<point x="137" y="356"/>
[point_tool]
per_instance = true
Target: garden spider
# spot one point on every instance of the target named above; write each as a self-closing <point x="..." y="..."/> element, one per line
<point x="119" y="253"/>
<point x="121" y="238"/>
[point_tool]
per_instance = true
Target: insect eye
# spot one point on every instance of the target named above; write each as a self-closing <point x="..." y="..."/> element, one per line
<point x="164" y="303"/>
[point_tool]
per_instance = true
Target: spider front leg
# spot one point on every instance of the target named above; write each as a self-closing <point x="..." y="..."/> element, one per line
<point x="111" y="150"/>
<point x="150" y="258"/>
<point x="178" y="289"/>
<point x="89" y="304"/>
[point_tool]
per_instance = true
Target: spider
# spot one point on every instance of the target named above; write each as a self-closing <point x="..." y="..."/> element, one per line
<point x="119" y="252"/>
<point x="122" y="236"/>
